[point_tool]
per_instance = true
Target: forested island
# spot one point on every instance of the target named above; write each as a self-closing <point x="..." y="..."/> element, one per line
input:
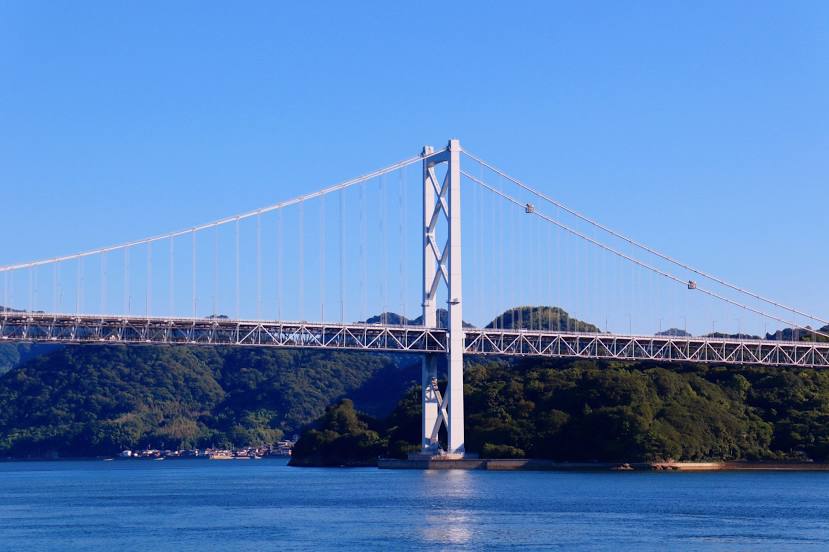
<point x="586" y="411"/>
<point x="350" y="408"/>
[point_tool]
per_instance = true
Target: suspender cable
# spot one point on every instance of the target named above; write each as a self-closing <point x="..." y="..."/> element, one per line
<point x="259" y="267"/>
<point x="171" y="278"/>
<point x="495" y="232"/>
<point x="632" y="299"/>
<point x="535" y="314"/>
<point x="646" y="248"/>
<point x="362" y="254"/>
<point x="384" y="255"/>
<point x="103" y="284"/>
<point x="322" y="259"/>
<point x="302" y="271"/>
<point x="77" y="286"/>
<point x="55" y="301"/>
<point x="527" y="255"/>
<point x="127" y="302"/>
<point x="548" y="258"/>
<point x="331" y="189"/>
<point x="486" y="237"/>
<point x="216" y="271"/>
<point x="238" y="274"/>
<point x="559" y="281"/>
<point x="618" y="295"/>
<point x="193" y="256"/>
<point x="279" y="265"/>
<point x="578" y="284"/>
<point x="479" y="254"/>
<point x="149" y="288"/>
<point x="502" y="238"/>
<point x="570" y="277"/>
<point x="83" y="285"/>
<point x="401" y="224"/>
<point x="585" y="284"/>
<point x="652" y="307"/>
<point x="647" y="266"/>
<point x="592" y="285"/>
<point x="514" y="283"/>
<point x="342" y="255"/>
<point x="486" y="259"/>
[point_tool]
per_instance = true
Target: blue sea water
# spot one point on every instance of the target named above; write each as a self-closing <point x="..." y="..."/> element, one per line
<point x="266" y="505"/>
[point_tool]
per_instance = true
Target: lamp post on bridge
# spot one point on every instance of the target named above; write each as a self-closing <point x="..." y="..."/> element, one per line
<point x="442" y="263"/>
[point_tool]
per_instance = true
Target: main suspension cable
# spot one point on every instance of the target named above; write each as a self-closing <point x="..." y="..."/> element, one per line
<point x="641" y="245"/>
<point x="226" y="220"/>
<point x="636" y="261"/>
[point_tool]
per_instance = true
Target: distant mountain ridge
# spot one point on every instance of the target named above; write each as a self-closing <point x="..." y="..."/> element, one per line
<point x="674" y="332"/>
<point x="517" y="318"/>
<point x="794" y="334"/>
<point x="543" y="318"/>
<point x="399" y="320"/>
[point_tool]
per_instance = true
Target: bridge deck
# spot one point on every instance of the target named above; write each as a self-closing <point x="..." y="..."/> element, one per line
<point x="61" y="328"/>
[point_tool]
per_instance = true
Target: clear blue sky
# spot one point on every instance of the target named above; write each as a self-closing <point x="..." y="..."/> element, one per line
<point x="701" y="128"/>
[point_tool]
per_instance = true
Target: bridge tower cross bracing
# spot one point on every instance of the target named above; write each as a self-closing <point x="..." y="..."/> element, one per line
<point x="442" y="201"/>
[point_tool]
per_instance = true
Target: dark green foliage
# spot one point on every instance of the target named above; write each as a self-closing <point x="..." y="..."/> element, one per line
<point x="98" y="400"/>
<point x="402" y="427"/>
<point x="583" y="411"/>
<point x="14" y="354"/>
<point x="588" y="411"/>
<point x="488" y="450"/>
<point x="340" y="438"/>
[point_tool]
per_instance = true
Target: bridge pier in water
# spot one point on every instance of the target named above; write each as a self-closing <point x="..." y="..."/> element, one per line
<point x="442" y="202"/>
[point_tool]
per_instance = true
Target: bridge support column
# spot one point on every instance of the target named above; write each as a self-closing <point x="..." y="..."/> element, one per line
<point x="442" y="201"/>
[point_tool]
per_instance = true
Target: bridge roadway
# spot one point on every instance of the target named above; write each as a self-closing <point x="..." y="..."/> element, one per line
<point x="78" y="329"/>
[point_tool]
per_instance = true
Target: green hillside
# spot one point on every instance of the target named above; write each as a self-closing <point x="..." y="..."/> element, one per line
<point x="94" y="400"/>
<point x="541" y="318"/>
<point x="589" y="411"/>
<point x="14" y="354"/>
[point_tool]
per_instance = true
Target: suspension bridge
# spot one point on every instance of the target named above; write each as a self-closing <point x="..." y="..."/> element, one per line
<point x="332" y="270"/>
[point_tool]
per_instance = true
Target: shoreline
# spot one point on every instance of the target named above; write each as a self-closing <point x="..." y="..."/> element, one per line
<point x="495" y="464"/>
<point x="141" y="459"/>
<point x="500" y="464"/>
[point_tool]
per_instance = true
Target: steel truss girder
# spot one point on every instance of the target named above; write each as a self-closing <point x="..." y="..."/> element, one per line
<point x="69" y="329"/>
<point x="646" y="348"/>
<point x="72" y="329"/>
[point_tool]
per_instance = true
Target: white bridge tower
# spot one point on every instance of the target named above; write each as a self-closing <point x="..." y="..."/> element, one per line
<point x="442" y="264"/>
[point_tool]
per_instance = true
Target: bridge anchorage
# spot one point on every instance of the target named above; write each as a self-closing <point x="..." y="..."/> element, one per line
<point x="195" y="280"/>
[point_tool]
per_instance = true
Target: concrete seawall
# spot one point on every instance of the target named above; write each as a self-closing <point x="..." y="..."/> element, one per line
<point x="549" y="465"/>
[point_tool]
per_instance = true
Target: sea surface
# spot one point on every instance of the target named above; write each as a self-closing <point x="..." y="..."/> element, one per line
<point x="265" y="505"/>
